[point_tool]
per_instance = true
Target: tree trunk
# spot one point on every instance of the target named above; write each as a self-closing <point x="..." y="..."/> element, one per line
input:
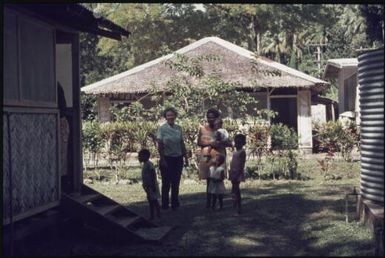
<point x="257" y="34"/>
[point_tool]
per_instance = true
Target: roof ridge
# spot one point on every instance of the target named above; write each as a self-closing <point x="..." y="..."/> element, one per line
<point x="147" y="64"/>
<point x="231" y="46"/>
<point x="245" y="52"/>
<point x="128" y="72"/>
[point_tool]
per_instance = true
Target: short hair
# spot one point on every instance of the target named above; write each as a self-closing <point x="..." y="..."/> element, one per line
<point x="241" y="138"/>
<point x="213" y="111"/>
<point x="145" y="153"/>
<point x="170" y="109"/>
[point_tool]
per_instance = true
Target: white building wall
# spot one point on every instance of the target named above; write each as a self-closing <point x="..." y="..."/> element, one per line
<point x="104" y="114"/>
<point x="341" y="91"/>
<point x="357" y="106"/>
<point x="304" y="121"/>
<point x="318" y="113"/>
<point x="344" y="97"/>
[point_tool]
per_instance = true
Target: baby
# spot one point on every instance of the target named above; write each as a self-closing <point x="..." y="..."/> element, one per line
<point x="221" y="135"/>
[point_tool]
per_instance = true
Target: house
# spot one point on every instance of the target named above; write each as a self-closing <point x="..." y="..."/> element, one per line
<point x="344" y="72"/>
<point x="273" y="85"/>
<point x="41" y="50"/>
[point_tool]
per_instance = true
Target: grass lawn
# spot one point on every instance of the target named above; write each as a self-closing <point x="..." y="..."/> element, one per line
<point x="280" y="217"/>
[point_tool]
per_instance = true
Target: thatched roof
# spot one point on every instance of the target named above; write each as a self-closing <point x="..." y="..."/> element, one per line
<point x="235" y="65"/>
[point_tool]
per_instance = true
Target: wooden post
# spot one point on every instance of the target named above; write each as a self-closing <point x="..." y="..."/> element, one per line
<point x="318" y="46"/>
<point x="268" y="100"/>
<point x="341" y="92"/>
<point x="77" y="126"/>
<point x="319" y="59"/>
<point x="333" y="113"/>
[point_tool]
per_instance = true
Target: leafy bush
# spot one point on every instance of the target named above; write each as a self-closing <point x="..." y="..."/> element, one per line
<point x="116" y="140"/>
<point x="284" y="140"/>
<point x="92" y="138"/>
<point x="337" y="137"/>
<point x="231" y="126"/>
<point x="190" y="129"/>
<point x="250" y="172"/>
<point x="88" y="106"/>
<point x="349" y="139"/>
<point x="258" y="139"/>
<point x="135" y="112"/>
<point x="124" y="137"/>
<point x="283" y="137"/>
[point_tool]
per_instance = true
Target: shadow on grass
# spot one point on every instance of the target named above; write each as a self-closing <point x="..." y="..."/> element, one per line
<point x="276" y="220"/>
<point x="272" y="223"/>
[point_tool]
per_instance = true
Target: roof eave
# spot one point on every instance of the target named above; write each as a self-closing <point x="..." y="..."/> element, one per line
<point x="75" y="16"/>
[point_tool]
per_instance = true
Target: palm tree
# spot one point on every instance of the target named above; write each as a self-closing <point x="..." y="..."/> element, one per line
<point x="288" y="44"/>
<point x="277" y="48"/>
<point x="352" y="19"/>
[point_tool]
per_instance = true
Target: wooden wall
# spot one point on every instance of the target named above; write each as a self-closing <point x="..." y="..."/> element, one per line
<point x="30" y="130"/>
<point x="347" y="85"/>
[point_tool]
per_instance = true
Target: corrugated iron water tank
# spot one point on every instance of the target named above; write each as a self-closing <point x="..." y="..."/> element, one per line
<point x="371" y="81"/>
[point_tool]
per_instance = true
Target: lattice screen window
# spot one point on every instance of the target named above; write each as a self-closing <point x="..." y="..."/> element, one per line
<point x="34" y="160"/>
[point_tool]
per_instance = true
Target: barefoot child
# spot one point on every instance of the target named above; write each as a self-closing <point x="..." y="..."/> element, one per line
<point x="237" y="170"/>
<point x="150" y="184"/>
<point x="216" y="185"/>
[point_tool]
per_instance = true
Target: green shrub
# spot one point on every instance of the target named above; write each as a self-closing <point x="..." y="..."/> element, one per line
<point x="337" y="137"/>
<point x="231" y="126"/>
<point x="93" y="141"/>
<point x="88" y="107"/>
<point x="190" y="128"/>
<point x="258" y="139"/>
<point x="284" y="140"/>
<point x="283" y="137"/>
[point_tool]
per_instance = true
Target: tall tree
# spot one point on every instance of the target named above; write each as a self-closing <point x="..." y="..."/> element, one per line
<point x="374" y="18"/>
<point x="157" y="29"/>
<point x="282" y="31"/>
<point x="242" y="24"/>
<point x="93" y="67"/>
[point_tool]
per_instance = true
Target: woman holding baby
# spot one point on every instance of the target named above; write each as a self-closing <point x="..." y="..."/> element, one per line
<point x="212" y="141"/>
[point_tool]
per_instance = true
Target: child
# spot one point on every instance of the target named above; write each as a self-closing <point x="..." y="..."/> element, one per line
<point x="150" y="184"/>
<point x="221" y="135"/>
<point x="216" y="185"/>
<point x="237" y="173"/>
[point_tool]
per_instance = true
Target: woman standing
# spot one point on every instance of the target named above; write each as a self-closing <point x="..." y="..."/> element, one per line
<point x="171" y="150"/>
<point x="210" y="148"/>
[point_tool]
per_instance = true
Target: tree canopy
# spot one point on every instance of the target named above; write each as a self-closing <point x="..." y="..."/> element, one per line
<point x="287" y="33"/>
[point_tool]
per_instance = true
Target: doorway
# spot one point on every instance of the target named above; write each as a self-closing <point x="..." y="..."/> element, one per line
<point x="68" y="98"/>
<point x="287" y="111"/>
